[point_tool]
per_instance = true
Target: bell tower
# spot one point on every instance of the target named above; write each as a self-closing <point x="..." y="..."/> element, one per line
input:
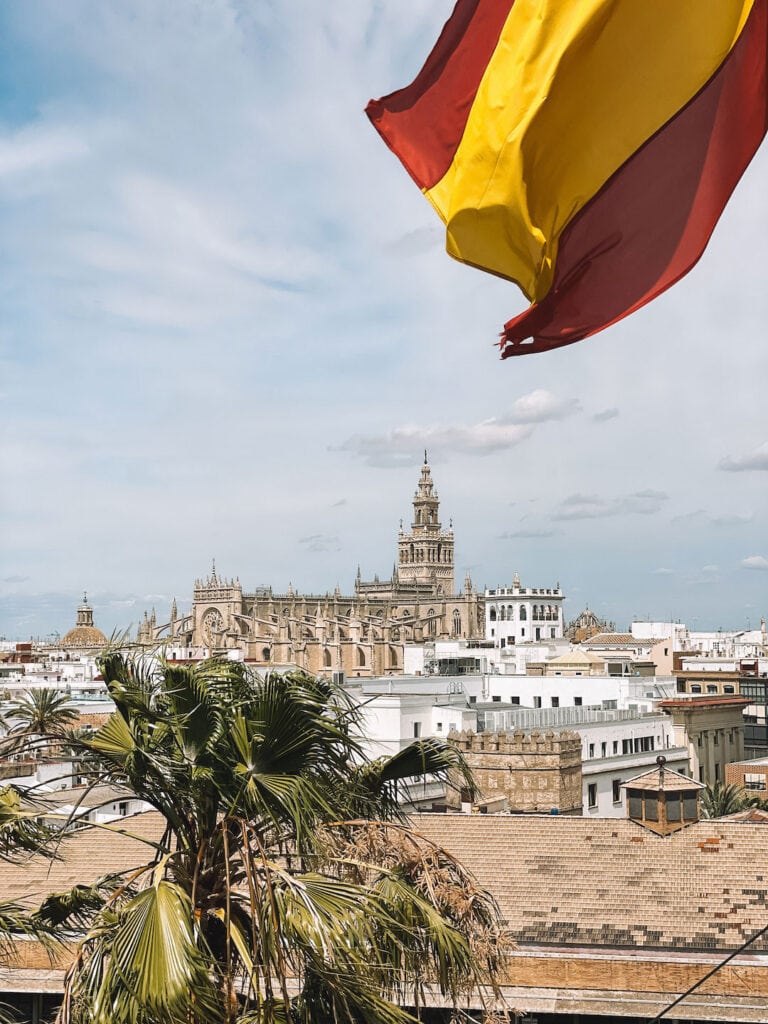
<point x="425" y="553"/>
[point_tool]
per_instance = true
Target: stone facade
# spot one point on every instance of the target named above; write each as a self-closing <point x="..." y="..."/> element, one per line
<point x="359" y="634"/>
<point x="535" y="772"/>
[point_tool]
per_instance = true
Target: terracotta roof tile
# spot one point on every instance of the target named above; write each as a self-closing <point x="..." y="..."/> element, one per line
<point x="579" y="881"/>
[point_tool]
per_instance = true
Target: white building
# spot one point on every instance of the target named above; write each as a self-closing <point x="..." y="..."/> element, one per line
<point x="515" y="615"/>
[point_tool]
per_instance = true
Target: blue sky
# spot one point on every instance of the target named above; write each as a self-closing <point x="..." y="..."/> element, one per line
<point x="228" y="329"/>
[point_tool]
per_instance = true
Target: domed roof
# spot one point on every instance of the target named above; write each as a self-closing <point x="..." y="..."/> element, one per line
<point x="84" y="633"/>
<point x="84" y="636"/>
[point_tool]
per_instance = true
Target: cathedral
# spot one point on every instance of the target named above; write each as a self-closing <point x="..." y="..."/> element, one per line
<point x="360" y="634"/>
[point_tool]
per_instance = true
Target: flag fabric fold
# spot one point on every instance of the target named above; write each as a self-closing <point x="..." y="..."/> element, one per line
<point x="584" y="151"/>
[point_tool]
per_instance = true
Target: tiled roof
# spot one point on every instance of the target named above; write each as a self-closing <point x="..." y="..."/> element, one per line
<point x="558" y="880"/>
<point x="607" y="882"/>
<point x="656" y="780"/>
<point x="85" y="856"/>
<point x="576" y="657"/>
<point x="615" y="640"/>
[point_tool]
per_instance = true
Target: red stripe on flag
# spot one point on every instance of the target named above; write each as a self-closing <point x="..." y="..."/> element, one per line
<point x="424" y="122"/>
<point x="651" y="222"/>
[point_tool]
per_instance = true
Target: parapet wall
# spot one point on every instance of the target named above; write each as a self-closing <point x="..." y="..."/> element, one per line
<point x="536" y="772"/>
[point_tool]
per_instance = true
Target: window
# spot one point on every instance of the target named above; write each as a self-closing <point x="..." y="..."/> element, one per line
<point x="711" y="688"/>
<point x="456" y="622"/>
<point x="493" y="615"/>
<point x="603" y="750"/>
<point x="716" y="739"/>
<point x="577" y="702"/>
<point x="591" y="749"/>
<point x="537" y="702"/>
<point x="643" y="744"/>
<point x="753" y="780"/>
<point x="514" y="700"/>
<point x="122" y="808"/>
<point x="592" y="794"/>
<point x="555" y="702"/>
<point x="473" y="700"/>
<point x="626" y="746"/>
<point x="729" y="688"/>
<point x="615" y="746"/>
<point x="651" y="807"/>
<point x="717" y="771"/>
<point x="416" y="730"/>
<point x="496" y="699"/>
<point x="695" y="687"/>
<point x="616" y="790"/>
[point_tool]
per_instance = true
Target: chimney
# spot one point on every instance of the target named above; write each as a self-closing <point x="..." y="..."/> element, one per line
<point x="662" y="800"/>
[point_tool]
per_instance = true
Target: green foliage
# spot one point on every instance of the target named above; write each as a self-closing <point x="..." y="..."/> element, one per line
<point x="42" y="713"/>
<point x="721" y="799"/>
<point x="287" y="888"/>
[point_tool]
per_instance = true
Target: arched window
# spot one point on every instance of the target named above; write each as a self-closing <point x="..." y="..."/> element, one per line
<point x="456" y="622"/>
<point x="523" y="613"/>
<point x="360" y="657"/>
<point x="266" y="653"/>
<point x="394" y="634"/>
<point x="327" y="658"/>
<point x="502" y="613"/>
<point x="393" y="658"/>
<point x="431" y="622"/>
<point x="510" y="612"/>
<point x="492" y="616"/>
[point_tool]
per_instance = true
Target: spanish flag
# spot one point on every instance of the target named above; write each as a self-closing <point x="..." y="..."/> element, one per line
<point x="583" y="149"/>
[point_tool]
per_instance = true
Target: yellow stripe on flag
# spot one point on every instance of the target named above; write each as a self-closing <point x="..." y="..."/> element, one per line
<point x="574" y="87"/>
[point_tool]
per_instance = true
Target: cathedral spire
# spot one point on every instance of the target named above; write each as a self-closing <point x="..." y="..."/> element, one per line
<point x="426" y="552"/>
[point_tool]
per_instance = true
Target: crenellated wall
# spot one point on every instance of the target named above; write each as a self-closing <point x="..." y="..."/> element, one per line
<point x="536" y="772"/>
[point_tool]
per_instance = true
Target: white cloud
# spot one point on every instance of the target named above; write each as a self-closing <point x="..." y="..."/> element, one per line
<point x="404" y="445"/>
<point x="605" y="415"/>
<point x="39" y="148"/>
<point x="320" y="542"/>
<point x="540" y="406"/>
<point x="757" y="460"/>
<point x="529" y="534"/>
<point x="701" y="515"/>
<point x="755" y="562"/>
<point x="201" y="296"/>
<point x="662" y="571"/>
<point x="592" y="506"/>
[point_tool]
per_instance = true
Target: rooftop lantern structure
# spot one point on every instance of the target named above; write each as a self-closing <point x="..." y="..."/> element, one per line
<point x="662" y="800"/>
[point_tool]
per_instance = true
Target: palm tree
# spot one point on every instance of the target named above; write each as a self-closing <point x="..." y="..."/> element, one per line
<point x="39" y="717"/>
<point x="721" y="799"/>
<point x="287" y="887"/>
